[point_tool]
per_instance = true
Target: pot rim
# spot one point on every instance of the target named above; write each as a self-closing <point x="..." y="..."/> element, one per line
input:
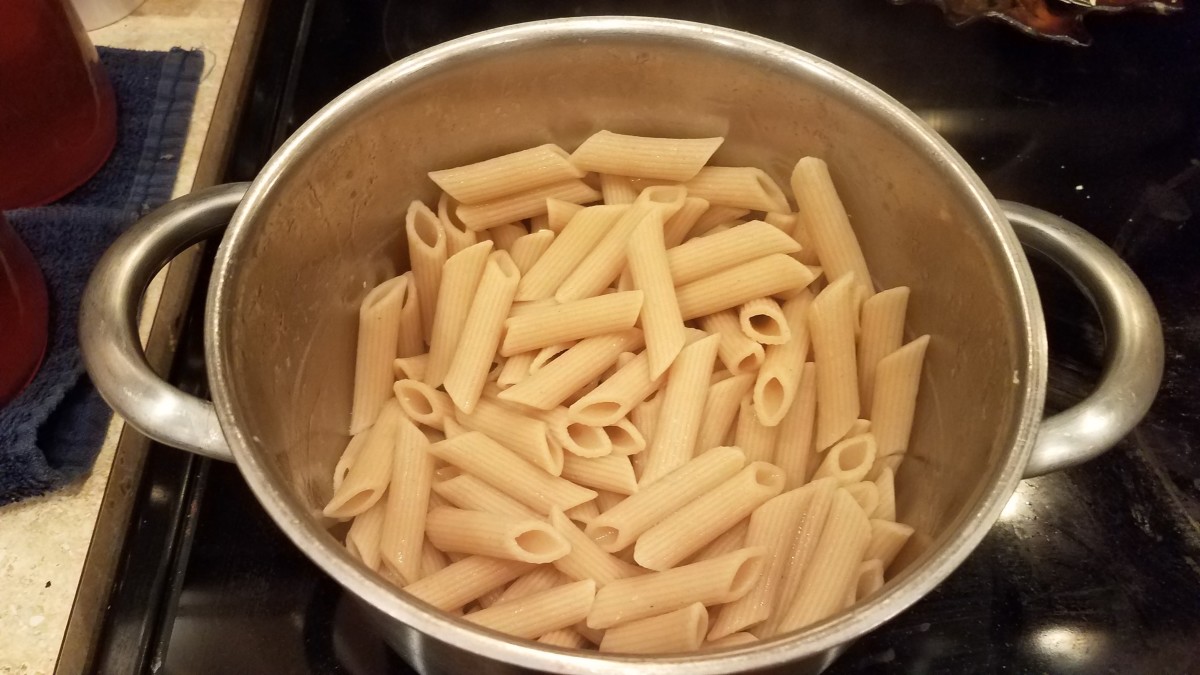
<point x="915" y="582"/>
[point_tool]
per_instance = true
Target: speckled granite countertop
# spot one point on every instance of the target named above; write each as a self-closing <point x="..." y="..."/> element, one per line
<point x="43" y="541"/>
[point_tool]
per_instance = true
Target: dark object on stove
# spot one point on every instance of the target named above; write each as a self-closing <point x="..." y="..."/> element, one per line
<point x="1059" y="20"/>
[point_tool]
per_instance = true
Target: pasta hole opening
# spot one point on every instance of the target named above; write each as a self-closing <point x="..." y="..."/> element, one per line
<point x="619" y="437"/>
<point x="604" y="535"/>
<point x="358" y="502"/>
<point x="385" y="291"/>
<point x="697" y="626"/>
<point x="540" y="543"/>
<point x="745" y="576"/>
<point x="772" y="394"/>
<point x="416" y="403"/>
<point x="852" y="456"/>
<point x="748" y="362"/>
<point x="428" y="229"/>
<point x="600" y="410"/>
<point x="766" y="325"/>
<point x="587" y="437"/>
<point x="664" y="194"/>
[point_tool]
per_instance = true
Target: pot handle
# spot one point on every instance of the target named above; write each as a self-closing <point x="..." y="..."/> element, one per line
<point x="1133" y="337"/>
<point x="108" y="335"/>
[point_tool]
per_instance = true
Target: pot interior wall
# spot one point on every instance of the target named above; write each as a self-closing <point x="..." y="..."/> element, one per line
<point x="330" y="227"/>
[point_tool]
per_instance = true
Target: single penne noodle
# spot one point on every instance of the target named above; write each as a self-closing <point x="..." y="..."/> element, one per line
<point x="586" y="560"/>
<point x="498" y="466"/>
<point x="866" y="493"/>
<point x="881" y="333"/>
<point x="672" y="159"/>
<point x="427" y="252"/>
<point x="885" y="482"/>
<point x="784" y="222"/>
<point x="481" y="331"/>
<point x="843" y="542"/>
<point x="794" y="446"/>
<point x="645" y="417"/>
<point x="679" y="631"/>
<point x="617" y="189"/>
<point x="541" y="578"/>
<point x="606" y="260"/>
<point x="468" y="492"/>
<point x="422" y="403"/>
<point x="618" y="527"/>
<point x="849" y="461"/>
<point x="717" y="214"/>
<point x="407" y="503"/>
<point x="887" y="538"/>
<point x="378" y="328"/>
<point x="526" y="250"/>
<point x="460" y="281"/>
<point x="868" y="579"/>
<point x="647" y="264"/>
<point x="545" y="355"/>
<point x="744" y="187"/>
<point x="734" y="640"/>
<point x="524" y="435"/>
<point x="578" y="237"/>
<point x="522" y="205"/>
<point x="826" y="223"/>
<point x="363" y="537"/>
<point x="831" y="317"/>
<point x="515" y="369"/>
<point x="763" y="321"/>
<point x="615" y="397"/>
<point x="559" y="213"/>
<point x="772" y="526"/>
<point x="731" y="287"/>
<point x="677" y="227"/>
<point x="539" y="613"/>
<point x="432" y="560"/>
<point x="348" y="457"/>
<point x="556" y="381"/>
<point x="371" y="471"/>
<point x="738" y="352"/>
<point x="410" y="367"/>
<point x="585" y="512"/>
<point x="721" y="409"/>
<point x="897" y="379"/>
<point x="495" y="535"/>
<point x="754" y="438"/>
<point x="506" y="236"/>
<point x="696" y="524"/>
<point x="458" y="237"/>
<point x="626" y="439"/>
<point x="729" y="540"/>
<point x="507" y="174"/>
<point x="704" y="256"/>
<point x="567" y="638"/>
<point x="466" y="580"/>
<point x="612" y="472"/>
<point x="679" y="420"/>
<point x="778" y="378"/>
<point x="814" y="513"/>
<point x="710" y="582"/>
<point x="571" y="321"/>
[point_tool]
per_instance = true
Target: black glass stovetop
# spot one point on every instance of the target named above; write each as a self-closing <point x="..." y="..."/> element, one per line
<point x="1092" y="570"/>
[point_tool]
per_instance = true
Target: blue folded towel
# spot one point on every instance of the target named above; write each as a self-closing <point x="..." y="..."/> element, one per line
<point x="50" y="434"/>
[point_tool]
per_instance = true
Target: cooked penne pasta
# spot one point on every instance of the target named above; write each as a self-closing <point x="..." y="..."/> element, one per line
<point x="734" y="640"/>
<point x="515" y="369"/>
<point x="522" y="205"/>
<point x="704" y="256"/>
<point x="679" y="420"/>
<point x="506" y="236"/>
<point x="827" y="225"/>
<point x="679" y="631"/>
<point x="541" y="578"/>
<point x="831" y="318"/>
<point x="674" y="159"/>
<point x="621" y="525"/>
<point x="626" y="439"/>
<point x="567" y="638"/>
<point x="545" y="355"/>
<point x="468" y="492"/>
<point x="458" y="237"/>
<point x="881" y="333"/>
<point x="696" y="524"/>
<point x="378" y="328"/>
<point x="717" y="214"/>
<point x="815" y="511"/>
<point x="460" y="281"/>
<point x="427" y="253"/>
<point x="859" y="428"/>
<point x="616" y="396"/>
<point x="728" y="541"/>
<point x="710" y="582"/>
<point x="794" y="447"/>
<point x="721" y="408"/>
<point x="571" y="321"/>
<point x="498" y="466"/>
<point x="584" y="513"/>
<point x="779" y="377"/>
<point x="526" y="436"/>
<point x="553" y="383"/>
<point x="410" y="367"/>
<point x="744" y="187"/>
<point x="784" y="222"/>
<point x="586" y="560"/>
<point x="527" y="249"/>
<point x="866" y="493"/>
<point x="539" y="613"/>
<point x="559" y="213"/>
<point x="507" y="174"/>
<point x="495" y="535"/>
<point x="613" y="473"/>
<point x="849" y="461"/>
<point x="466" y="580"/>
<point x="617" y="189"/>
<point x="739" y="353"/>
<point x="606" y="500"/>
<point x="368" y="476"/>
<point x="647" y="264"/>
<point x="348" y="457"/>
<point x="894" y="402"/>
<point x="868" y="579"/>
<point x="885" y="483"/>
<point x="362" y="539"/>
<point x="432" y="560"/>
<point x="762" y="320"/>
<point x="578" y="237"/>
<point x="645" y="417"/>
<point x="887" y="538"/>
<point x="754" y="438"/>
<point x="677" y="227"/>
<point x="403" y="533"/>
<point x="422" y="403"/>
<point x="481" y="331"/>
<point x="735" y="285"/>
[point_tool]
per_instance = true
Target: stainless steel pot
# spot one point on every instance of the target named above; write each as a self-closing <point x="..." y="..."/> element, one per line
<point x="320" y="225"/>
